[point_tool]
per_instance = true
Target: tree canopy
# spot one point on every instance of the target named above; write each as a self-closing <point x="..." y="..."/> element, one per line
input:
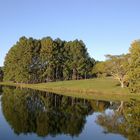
<point x="118" y="66"/>
<point x="32" y="61"/>
<point x="100" y="69"/>
<point x="134" y="68"/>
<point x="42" y="60"/>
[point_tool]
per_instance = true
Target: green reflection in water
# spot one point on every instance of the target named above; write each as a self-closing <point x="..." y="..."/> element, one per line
<point x="43" y="113"/>
<point x="30" y="111"/>
<point x="125" y="120"/>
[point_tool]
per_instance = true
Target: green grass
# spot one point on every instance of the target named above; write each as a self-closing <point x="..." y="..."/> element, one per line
<point x="102" y="89"/>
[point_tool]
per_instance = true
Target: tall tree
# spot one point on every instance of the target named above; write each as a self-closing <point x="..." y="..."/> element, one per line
<point x="134" y="69"/>
<point x="78" y="63"/>
<point x="47" y="60"/>
<point x="48" y="47"/>
<point x="59" y="59"/>
<point x="20" y="62"/>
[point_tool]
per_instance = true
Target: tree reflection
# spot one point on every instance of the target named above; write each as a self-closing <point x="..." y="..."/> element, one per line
<point x="29" y="111"/>
<point x="99" y="106"/>
<point x="43" y="113"/>
<point x="125" y="120"/>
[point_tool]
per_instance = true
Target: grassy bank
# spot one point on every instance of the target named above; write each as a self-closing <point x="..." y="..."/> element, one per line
<point x="103" y="89"/>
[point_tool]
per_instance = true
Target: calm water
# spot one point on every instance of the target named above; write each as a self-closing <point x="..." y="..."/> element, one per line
<point x="33" y="115"/>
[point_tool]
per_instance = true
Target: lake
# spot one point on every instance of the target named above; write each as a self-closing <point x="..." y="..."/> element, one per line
<point x="35" y="115"/>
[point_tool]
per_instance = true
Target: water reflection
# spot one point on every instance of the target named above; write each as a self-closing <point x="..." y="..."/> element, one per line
<point x="0" y="90"/>
<point x="44" y="113"/>
<point x="124" y="120"/>
<point x="28" y="111"/>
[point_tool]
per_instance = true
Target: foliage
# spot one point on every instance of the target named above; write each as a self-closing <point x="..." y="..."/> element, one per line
<point x="32" y="61"/>
<point x="37" y="61"/>
<point x="134" y="69"/>
<point x="100" y="69"/>
<point x="78" y="64"/>
<point x="118" y="66"/>
<point x="21" y="63"/>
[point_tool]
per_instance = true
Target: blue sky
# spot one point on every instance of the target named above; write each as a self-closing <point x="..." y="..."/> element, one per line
<point x="106" y="26"/>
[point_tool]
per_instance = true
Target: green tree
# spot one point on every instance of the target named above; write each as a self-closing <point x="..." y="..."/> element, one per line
<point x="21" y="62"/>
<point x="77" y="64"/>
<point x="32" y="61"/>
<point x="59" y="59"/>
<point x="48" y="54"/>
<point x="134" y="69"/>
<point x="100" y="69"/>
<point x="118" y="66"/>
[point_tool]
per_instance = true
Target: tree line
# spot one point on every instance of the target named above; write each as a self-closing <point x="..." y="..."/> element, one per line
<point x="32" y="61"/>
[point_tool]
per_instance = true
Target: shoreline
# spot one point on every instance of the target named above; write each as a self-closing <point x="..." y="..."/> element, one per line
<point x="82" y="89"/>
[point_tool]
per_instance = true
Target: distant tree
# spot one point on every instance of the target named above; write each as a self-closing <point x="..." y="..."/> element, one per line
<point x="117" y="66"/>
<point x="100" y="69"/>
<point x="134" y="69"/>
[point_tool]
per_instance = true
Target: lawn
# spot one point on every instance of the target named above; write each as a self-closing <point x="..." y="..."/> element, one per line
<point x="100" y="88"/>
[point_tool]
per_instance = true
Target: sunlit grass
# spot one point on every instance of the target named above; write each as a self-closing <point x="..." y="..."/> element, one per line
<point x="104" y="89"/>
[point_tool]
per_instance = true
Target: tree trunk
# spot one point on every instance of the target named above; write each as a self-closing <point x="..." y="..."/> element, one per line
<point x="122" y="84"/>
<point x="74" y="74"/>
<point x="85" y="75"/>
<point x="56" y="74"/>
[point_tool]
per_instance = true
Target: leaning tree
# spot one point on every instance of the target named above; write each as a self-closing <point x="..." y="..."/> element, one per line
<point x="117" y="66"/>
